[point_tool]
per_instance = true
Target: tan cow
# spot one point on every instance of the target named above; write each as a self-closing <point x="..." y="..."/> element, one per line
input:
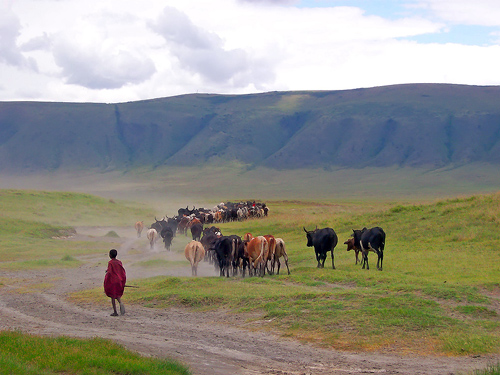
<point x="139" y="226"/>
<point x="194" y="252"/>
<point x="256" y="251"/>
<point x="279" y="252"/>
<point x="269" y="259"/>
<point x="152" y="235"/>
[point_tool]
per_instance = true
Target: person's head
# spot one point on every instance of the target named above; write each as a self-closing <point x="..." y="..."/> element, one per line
<point x="113" y="253"/>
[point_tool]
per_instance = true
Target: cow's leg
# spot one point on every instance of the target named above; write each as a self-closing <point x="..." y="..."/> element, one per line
<point x="380" y="259"/>
<point x="333" y="264"/>
<point x="323" y="259"/>
<point x="318" y="258"/>
<point x="365" y="259"/>
<point x="286" y="263"/>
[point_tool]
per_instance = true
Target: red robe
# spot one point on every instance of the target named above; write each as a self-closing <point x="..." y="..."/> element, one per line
<point x="114" y="281"/>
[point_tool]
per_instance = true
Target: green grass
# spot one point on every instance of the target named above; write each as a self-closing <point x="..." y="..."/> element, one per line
<point x="31" y="244"/>
<point x="434" y="296"/>
<point x="441" y="264"/>
<point x="31" y="355"/>
<point x="33" y="225"/>
<point x="68" y="208"/>
<point x="490" y="370"/>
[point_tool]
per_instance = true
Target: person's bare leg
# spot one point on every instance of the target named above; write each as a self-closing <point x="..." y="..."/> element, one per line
<point x="122" y="306"/>
<point x="114" y="307"/>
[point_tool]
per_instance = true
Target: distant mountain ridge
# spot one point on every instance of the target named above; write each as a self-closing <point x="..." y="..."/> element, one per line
<point x="411" y="125"/>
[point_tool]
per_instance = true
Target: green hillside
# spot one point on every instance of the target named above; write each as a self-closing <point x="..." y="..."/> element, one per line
<point x="419" y="125"/>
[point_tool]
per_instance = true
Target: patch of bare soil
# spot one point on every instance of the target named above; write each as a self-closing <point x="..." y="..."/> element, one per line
<point x="209" y="343"/>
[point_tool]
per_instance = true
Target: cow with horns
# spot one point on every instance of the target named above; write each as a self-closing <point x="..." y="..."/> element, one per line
<point x="372" y="239"/>
<point x="323" y="240"/>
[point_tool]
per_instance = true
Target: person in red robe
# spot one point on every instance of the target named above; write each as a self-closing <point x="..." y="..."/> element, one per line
<point x="114" y="282"/>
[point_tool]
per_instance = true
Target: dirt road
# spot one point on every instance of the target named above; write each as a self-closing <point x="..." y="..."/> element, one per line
<point x="209" y="343"/>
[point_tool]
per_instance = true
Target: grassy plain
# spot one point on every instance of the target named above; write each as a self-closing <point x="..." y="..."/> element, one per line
<point x="438" y="292"/>
<point x="33" y="224"/>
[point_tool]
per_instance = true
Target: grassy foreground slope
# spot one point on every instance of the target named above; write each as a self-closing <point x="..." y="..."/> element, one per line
<point x="30" y="355"/>
<point x="32" y="237"/>
<point x="438" y="292"/>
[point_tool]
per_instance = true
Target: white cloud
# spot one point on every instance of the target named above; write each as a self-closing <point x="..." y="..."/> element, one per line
<point x="121" y="50"/>
<point x="9" y="51"/>
<point x="203" y="52"/>
<point x="90" y="58"/>
<point x="477" y="12"/>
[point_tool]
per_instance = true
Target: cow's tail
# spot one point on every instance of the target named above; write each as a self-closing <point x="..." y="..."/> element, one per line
<point x="196" y="251"/>
<point x="263" y="261"/>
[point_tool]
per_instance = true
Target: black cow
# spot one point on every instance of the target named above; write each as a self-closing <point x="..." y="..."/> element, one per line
<point x="185" y="211"/>
<point x="240" y="261"/>
<point x="208" y="241"/>
<point x="159" y="224"/>
<point x="196" y="231"/>
<point x="172" y="223"/>
<point x="323" y="240"/>
<point x="370" y="240"/>
<point x="224" y="250"/>
<point x="167" y="234"/>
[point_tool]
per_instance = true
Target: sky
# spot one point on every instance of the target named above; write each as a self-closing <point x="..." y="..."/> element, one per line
<point x="112" y="51"/>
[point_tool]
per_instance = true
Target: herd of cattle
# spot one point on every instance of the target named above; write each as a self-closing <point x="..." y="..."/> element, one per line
<point x="260" y="254"/>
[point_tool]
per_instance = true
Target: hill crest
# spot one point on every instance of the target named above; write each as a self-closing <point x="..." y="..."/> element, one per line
<point x="413" y="125"/>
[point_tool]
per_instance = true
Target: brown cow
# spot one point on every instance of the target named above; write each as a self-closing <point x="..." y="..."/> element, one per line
<point x="278" y="253"/>
<point x="139" y="226"/>
<point x="217" y="217"/>
<point x="270" y="253"/>
<point x="247" y="237"/>
<point x="256" y="251"/>
<point x="194" y="252"/>
<point x="183" y="223"/>
<point x="351" y="246"/>
<point x="192" y="222"/>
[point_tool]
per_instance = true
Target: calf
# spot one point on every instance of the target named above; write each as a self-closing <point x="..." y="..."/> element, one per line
<point x="194" y="252"/>
<point x="351" y="246"/>
<point x="323" y="240"/>
<point x="370" y="240"/>
<point x="139" y="226"/>
<point x="279" y="252"/>
<point x="152" y="236"/>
